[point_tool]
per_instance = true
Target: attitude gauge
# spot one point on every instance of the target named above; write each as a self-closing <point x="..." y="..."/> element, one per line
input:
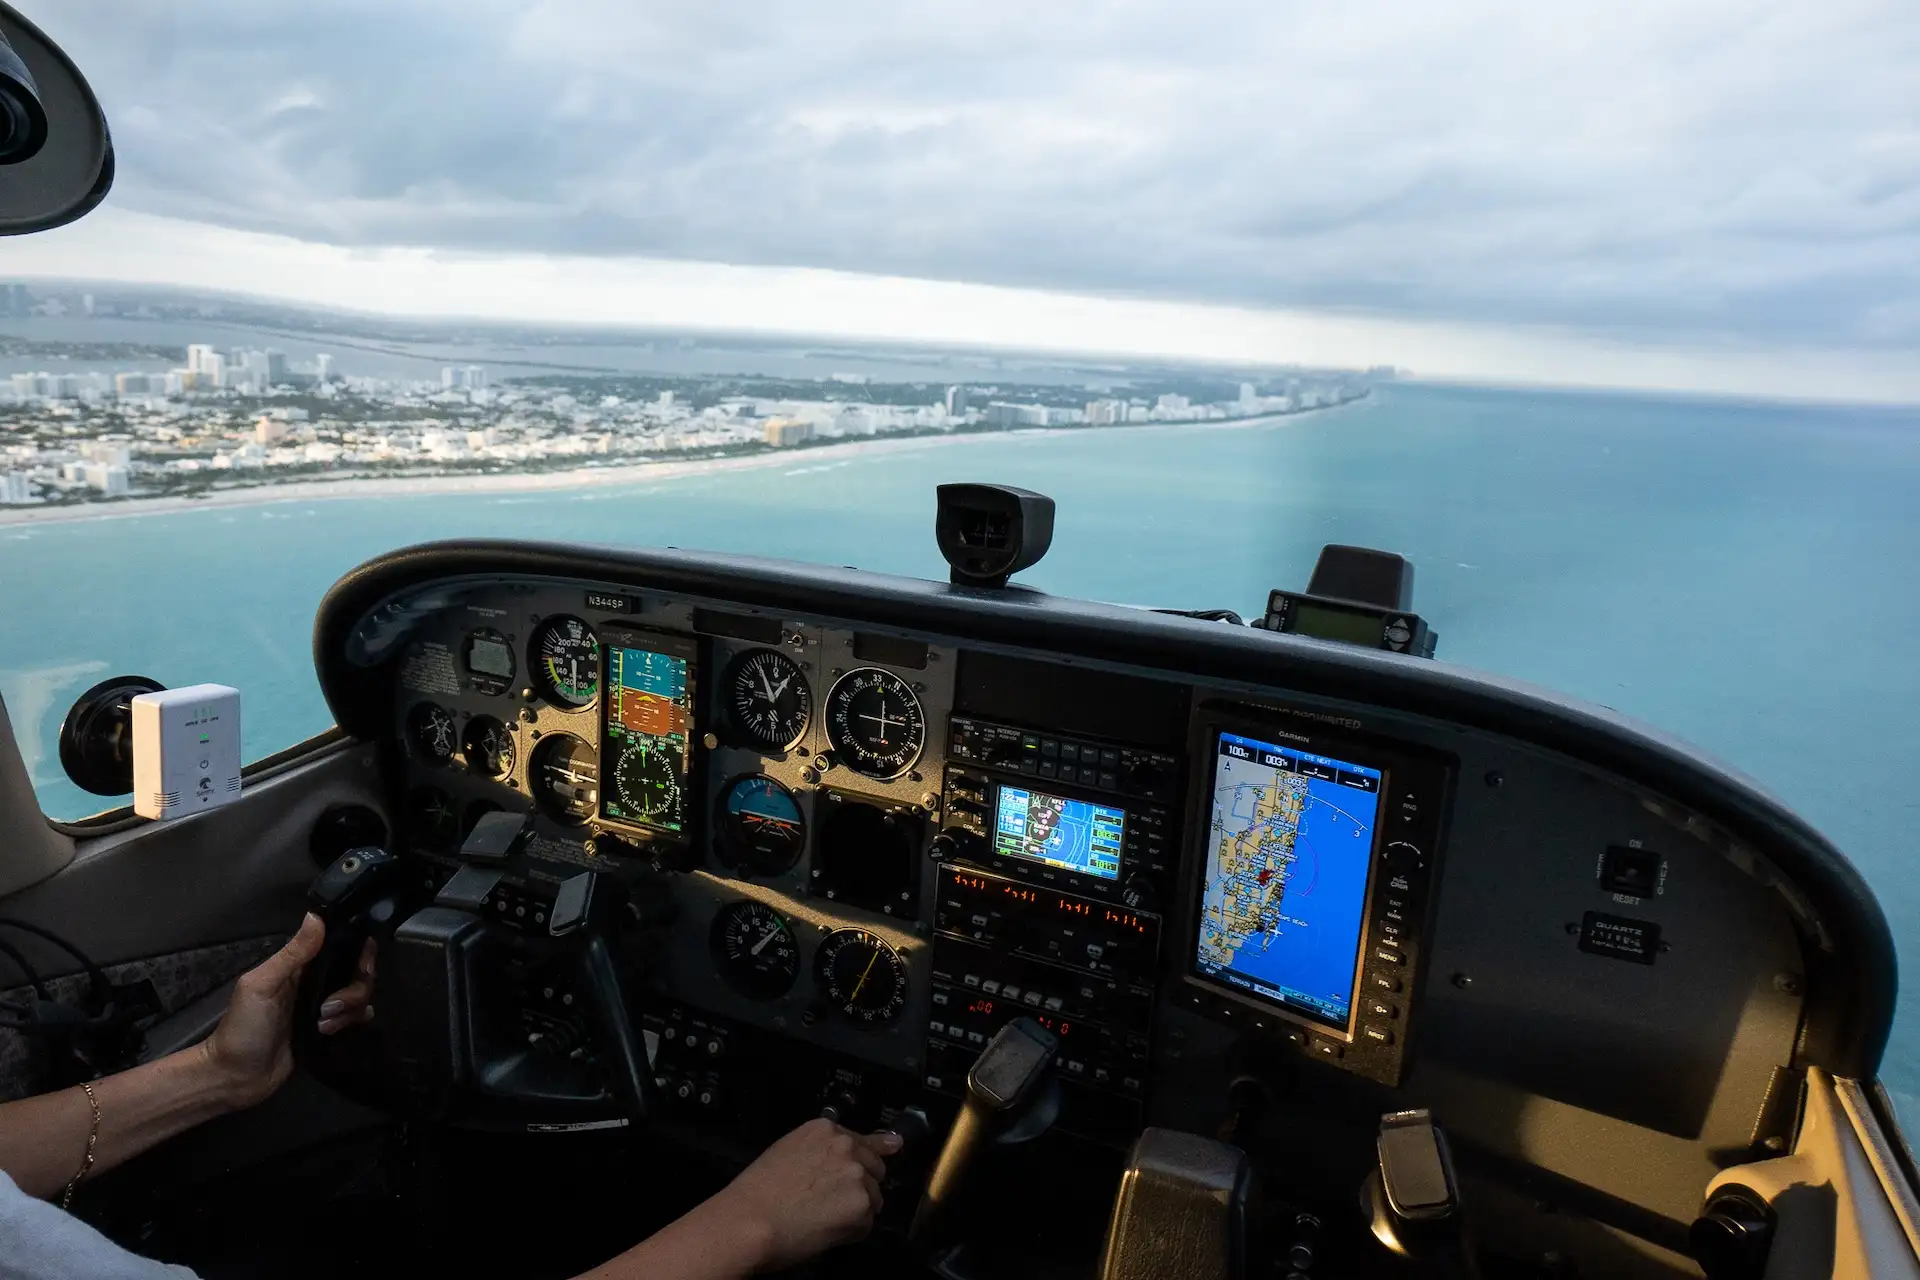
<point x="761" y="827"/>
<point x="875" y="722"/>
<point x="767" y="699"/>
<point x="754" y="950"/>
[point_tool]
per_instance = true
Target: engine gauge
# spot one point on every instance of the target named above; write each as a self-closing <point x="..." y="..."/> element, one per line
<point x="489" y="747"/>
<point x="754" y="950"/>
<point x="761" y="827"/>
<point x="565" y="776"/>
<point x="431" y="732"/>
<point x="875" y="722"/>
<point x="647" y="781"/>
<point x="861" y="976"/>
<point x="767" y="699"/>
<point x="566" y="661"/>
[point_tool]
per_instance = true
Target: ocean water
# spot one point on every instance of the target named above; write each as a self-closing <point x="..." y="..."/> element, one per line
<point x="1741" y="575"/>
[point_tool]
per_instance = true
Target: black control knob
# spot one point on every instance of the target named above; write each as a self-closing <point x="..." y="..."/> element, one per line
<point x="954" y="842"/>
<point x="1140" y="894"/>
<point x="1732" y="1238"/>
<point x="841" y="1106"/>
<point x="1148" y="779"/>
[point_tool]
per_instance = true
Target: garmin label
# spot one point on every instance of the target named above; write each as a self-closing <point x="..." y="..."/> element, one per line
<point x="1619" y="937"/>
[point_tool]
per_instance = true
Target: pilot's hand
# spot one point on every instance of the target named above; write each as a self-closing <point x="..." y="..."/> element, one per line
<point x="251" y="1051"/>
<point x="815" y="1188"/>
<point x="351" y="1005"/>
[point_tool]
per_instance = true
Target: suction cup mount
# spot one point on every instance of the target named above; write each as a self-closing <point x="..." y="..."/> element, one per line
<point x="96" y="739"/>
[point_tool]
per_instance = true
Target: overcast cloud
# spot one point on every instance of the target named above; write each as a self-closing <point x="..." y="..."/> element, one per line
<point x="1714" y="172"/>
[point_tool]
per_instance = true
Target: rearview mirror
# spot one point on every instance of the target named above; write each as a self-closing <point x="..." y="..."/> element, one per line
<point x="56" y="157"/>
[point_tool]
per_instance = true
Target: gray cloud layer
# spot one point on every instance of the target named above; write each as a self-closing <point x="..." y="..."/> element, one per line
<point x="1707" y="170"/>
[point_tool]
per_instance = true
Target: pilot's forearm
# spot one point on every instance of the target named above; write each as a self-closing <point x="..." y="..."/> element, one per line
<point x="43" y="1140"/>
<point x="702" y="1245"/>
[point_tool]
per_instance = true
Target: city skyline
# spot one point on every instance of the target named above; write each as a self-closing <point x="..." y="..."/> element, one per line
<point x="1702" y="196"/>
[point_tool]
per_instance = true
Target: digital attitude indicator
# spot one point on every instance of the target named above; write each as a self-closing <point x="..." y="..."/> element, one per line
<point x="647" y="725"/>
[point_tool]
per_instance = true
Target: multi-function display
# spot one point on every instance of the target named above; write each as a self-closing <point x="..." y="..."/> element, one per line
<point x="1288" y="852"/>
<point x="1074" y="835"/>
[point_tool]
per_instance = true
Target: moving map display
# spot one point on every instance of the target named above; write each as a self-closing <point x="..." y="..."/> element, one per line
<point x="1074" y="835"/>
<point x="648" y="725"/>
<point x="1288" y="850"/>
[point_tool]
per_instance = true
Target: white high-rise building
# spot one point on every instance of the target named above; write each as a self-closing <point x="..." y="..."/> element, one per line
<point x="323" y="366"/>
<point x="15" y="488"/>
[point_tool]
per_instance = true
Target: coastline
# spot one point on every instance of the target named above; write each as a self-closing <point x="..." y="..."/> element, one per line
<point x="581" y="477"/>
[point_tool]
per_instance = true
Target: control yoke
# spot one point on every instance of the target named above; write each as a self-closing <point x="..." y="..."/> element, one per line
<point x="445" y="1048"/>
<point x="1012" y="1097"/>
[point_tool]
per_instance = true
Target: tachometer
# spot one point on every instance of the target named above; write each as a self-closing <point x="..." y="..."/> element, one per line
<point x="754" y="950"/>
<point x="761" y="828"/>
<point x="875" y="722"/>
<point x="566" y="661"/>
<point x="565" y="776"/>
<point x="768" y="700"/>
<point x="861" y="976"/>
<point x="489" y="747"/>
<point x="431" y="732"/>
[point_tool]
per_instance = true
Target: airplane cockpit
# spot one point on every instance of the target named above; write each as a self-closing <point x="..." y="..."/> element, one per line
<point x="1171" y="945"/>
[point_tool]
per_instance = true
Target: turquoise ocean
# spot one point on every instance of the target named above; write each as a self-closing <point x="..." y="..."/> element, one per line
<point x="1743" y="575"/>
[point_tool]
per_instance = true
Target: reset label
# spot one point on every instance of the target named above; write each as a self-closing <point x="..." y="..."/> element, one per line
<point x="1619" y="937"/>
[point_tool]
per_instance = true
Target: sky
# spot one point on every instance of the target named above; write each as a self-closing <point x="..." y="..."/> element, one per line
<point x="1691" y="194"/>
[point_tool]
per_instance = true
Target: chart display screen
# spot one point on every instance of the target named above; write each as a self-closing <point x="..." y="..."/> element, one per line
<point x="1288" y="851"/>
<point x="1074" y="835"/>
<point x="647" y="729"/>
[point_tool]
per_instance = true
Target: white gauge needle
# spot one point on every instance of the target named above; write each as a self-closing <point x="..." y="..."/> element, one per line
<point x="765" y="938"/>
<point x="766" y="686"/>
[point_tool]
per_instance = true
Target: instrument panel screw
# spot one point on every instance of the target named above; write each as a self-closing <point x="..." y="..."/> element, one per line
<point x="1463" y="980"/>
<point x="1775" y="1142"/>
<point x="710" y="741"/>
<point x="1494" y="778"/>
<point x="1787" y="983"/>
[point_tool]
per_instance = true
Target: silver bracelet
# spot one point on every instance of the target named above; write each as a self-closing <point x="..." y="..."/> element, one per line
<point x="93" y="1140"/>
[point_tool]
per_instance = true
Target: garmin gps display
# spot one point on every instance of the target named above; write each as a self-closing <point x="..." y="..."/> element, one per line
<point x="648" y="728"/>
<point x="1287" y="854"/>
<point x="1074" y="835"/>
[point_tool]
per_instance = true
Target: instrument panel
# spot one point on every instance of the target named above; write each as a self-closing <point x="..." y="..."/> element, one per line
<point x="861" y="847"/>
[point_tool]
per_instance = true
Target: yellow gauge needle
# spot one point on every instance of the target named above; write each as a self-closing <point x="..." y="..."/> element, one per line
<point x="859" y="986"/>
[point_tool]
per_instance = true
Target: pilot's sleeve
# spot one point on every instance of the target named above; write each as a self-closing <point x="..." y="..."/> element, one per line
<point x="40" y="1241"/>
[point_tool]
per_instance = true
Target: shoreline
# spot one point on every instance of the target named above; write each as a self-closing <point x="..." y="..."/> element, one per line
<point x="580" y="477"/>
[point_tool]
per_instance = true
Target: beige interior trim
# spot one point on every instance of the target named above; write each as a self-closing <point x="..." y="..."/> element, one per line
<point x="1893" y="1179"/>
<point x="30" y="849"/>
<point x="1839" y="1216"/>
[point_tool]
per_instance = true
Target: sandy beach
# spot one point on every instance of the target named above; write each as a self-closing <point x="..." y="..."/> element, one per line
<point x="575" y="477"/>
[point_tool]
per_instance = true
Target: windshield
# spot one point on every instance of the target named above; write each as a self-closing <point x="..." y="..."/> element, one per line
<point x="1607" y="318"/>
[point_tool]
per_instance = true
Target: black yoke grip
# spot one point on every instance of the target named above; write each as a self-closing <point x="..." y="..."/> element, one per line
<point x="353" y="899"/>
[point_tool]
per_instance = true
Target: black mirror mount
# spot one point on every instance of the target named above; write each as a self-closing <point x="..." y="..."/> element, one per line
<point x="56" y="155"/>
